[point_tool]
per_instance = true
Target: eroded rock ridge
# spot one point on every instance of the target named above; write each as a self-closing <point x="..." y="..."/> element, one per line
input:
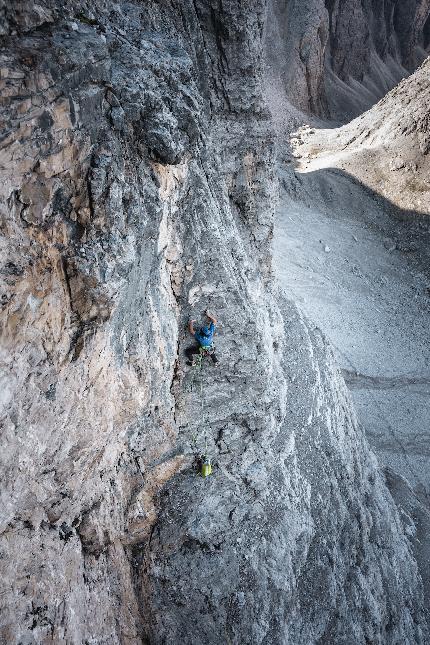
<point x="336" y="58"/>
<point x="138" y="186"/>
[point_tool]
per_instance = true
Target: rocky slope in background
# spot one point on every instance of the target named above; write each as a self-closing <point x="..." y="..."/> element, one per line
<point x="138" y="185"/>
<point x="352" y="248"/>
<point x="336" y="58"/>
<point x="376" y="170"/>
<point x="386" y="149"/>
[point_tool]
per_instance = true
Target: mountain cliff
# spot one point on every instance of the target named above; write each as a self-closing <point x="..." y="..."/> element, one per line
<point x="336" y="58"/>
<point x="138" y="188"/>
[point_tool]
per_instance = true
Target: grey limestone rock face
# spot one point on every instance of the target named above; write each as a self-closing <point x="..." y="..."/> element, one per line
<point x="336" y="58"/>
<point x="281" y="544"/>
<point x="138" y="185"/>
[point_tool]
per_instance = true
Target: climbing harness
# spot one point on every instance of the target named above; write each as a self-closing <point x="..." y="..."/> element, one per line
<point x="203" y="351"/>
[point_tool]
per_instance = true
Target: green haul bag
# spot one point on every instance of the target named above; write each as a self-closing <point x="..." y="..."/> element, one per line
<point x="206" y="468"/>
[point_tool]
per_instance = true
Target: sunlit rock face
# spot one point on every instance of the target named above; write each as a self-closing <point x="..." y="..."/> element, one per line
<point x="387" y="148"/>
<point x="138" y="187"/>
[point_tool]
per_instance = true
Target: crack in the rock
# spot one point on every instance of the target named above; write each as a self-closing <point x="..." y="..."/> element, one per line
<point x="356" y="380"/>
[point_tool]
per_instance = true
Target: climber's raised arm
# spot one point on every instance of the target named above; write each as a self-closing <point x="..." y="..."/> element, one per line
<point x="211" y="317"/>
<point x="191" y="327"/>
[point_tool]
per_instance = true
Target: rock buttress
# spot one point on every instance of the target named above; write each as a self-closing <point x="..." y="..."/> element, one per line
<point x="137" y="189"/>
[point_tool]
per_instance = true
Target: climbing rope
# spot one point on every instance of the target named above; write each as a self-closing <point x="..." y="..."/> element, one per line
<point x="205" y="462"/>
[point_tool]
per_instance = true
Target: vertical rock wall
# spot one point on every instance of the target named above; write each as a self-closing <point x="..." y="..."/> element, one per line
<point x="336" y="58"/>
<point x="137" y="189"/>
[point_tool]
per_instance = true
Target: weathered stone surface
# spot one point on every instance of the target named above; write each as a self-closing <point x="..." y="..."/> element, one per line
<point x="386" y="148"/>
<point x="138" y="184"/>
<point x="266" y="551"/>
<point x="362" y="190"/>
<point x="336" y="58"/>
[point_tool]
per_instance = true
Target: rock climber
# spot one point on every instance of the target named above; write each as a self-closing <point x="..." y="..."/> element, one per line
<point x="203" y="336"/>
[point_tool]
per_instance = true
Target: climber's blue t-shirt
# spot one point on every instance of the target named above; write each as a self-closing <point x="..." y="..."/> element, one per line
<point x="205" y="341"/>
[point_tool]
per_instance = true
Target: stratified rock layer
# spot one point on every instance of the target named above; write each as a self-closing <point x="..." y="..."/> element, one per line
<point x="336" y="58"/>
<point x="137" y="189"/>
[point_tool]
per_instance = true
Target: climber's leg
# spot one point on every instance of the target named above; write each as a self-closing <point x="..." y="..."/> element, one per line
<point x="214" y="358"/>
<point x="190" y="352"/>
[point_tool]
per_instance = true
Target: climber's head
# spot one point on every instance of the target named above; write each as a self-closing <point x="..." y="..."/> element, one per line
<point x="205" y="331"/>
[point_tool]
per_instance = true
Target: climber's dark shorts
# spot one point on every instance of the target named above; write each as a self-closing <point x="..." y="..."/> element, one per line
<point x="190" y="352"/>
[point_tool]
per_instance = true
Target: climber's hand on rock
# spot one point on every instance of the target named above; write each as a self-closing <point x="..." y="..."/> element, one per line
<point x="210" y="316"/>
